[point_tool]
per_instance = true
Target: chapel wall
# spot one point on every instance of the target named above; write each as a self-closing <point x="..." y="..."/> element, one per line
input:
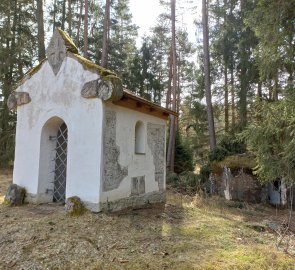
<point x="60" y="96"/>
<point x="137" y="177"/>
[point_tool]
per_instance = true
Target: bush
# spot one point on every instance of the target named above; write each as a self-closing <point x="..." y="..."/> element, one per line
<point x="232" y="144"/>
<point x="172" y="179"/>
<point x="183" y="155"/>
<point x="205" y="173"/>
<point x="218" y="154"/>
<point x="228" y="145"/>
<point x="186" y="182"/>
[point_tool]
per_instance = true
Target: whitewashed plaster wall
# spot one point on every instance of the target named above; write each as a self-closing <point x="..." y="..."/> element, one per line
<point x="137" y="164"/>
<point x="60" y="96"/>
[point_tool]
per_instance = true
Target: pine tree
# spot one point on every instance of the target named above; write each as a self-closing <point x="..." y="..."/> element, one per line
<point x="85" y="48"/>
<point x="106" y="30"/>
<point x="40" y="22"/>
<point x="211" y="128"/>
<point x="173" y="128"/>
<point x="17" y="53"/>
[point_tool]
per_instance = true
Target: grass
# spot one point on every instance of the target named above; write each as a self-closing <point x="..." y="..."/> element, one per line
<point x="186" y="233"/>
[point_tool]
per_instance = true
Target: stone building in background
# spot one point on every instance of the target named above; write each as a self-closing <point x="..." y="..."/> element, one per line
<point x="234" y="179"/>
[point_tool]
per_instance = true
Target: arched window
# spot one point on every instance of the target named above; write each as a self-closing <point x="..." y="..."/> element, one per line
<point x="139" y="138"/>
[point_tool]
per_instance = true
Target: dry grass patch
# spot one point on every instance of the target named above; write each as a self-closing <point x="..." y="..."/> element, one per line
<point x="186" y="233"/>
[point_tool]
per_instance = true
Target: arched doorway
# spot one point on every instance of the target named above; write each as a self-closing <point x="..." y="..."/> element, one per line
<point x="53" y="160"/>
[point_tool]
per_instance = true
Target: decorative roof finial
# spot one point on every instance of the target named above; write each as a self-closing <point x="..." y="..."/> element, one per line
<point x="56" y="51"/>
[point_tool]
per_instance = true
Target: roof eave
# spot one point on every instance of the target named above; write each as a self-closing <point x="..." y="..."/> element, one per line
<point x="140" y="104"/>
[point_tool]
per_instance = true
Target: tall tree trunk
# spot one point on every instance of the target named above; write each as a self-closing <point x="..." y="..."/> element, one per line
<point x="232" y="90"/>
<point x="70" y="17"/>
<point x="54" y="15"/>
<point x="276" y="88"/>
<point x="225" y="61"/>
<point x="172" y="133"/>
<point x="231" y="67"/>
<point x="243" y="73"/>
<point x="259" y="91"/>
<point x="13" y="29"/>
<point x="226" y="116"/>
<point x="178" y="89"/>
<point x="79" y="23"/>
<point x="63" y="18"/>
<point x="168" y="96"/>
<point x="40" y="22"/>
<point x="211" y="128"/>
<point x="106" y="27"/>
<point x="86" y="30"/>
<point x="243" y="96"/>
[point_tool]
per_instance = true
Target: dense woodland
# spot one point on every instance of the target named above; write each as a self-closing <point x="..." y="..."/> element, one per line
<point x="233" y="87"/>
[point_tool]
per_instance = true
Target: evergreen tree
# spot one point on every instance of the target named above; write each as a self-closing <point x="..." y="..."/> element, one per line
<point x="123" y="32"/>
<point x="211" y="128"/>
<point x="17" y="54"/>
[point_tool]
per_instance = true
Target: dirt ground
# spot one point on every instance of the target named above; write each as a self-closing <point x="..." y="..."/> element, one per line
<point x="185" y="233"/>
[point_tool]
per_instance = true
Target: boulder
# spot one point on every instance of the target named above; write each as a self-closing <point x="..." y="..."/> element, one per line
<point x="74" y="206"/>
<point x="15" y="195"/>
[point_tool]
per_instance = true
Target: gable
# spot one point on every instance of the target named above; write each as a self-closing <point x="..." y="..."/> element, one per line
<point x="105" y="86"/>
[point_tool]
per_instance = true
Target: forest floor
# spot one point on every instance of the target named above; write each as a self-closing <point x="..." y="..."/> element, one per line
<point x="185" y="233"/>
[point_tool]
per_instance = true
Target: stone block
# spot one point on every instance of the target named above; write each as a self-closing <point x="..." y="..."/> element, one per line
<point x="74" y="206"/>
<point x="56" y="51"/>
<point x="89" y="89"/>
<point x="108" y="88"/>
<point x="17" y="99"/>
<point x="134" y="186"/>
<point x="15" y="195"/>
<point x="141" y="185"/>
<point x="133" y="202"/>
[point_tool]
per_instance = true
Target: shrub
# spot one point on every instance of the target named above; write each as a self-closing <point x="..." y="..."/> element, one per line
<point x="218" y="154"/>
<point x="186" y="182"/>
<point x="205" y="173"/>
<point x="232" y="144"/>
<point x="172" y="179"/>
<point x="228" y="145"/>
<point x="183" y="155"/>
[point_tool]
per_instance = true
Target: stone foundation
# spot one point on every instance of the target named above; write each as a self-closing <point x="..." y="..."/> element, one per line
<point x="133" y="201"/>
<point x="38" y="198"/>
<point x="46" y="198"/>
<point x="93" y="207"/>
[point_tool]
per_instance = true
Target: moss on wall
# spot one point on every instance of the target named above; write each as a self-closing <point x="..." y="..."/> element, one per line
<point x="92" y="66"/>
<point x="234" y="162"/>
<point x="70" y="45"/>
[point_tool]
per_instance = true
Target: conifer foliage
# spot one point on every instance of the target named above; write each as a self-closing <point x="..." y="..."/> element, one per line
<point x="248" y="48"/>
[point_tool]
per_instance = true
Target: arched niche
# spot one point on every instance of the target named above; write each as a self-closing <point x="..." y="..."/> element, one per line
<point x="139" y="138"/>
<point x="53" y="160"/>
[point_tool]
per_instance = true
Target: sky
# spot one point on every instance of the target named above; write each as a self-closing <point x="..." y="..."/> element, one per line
<point x="145" y="13"/>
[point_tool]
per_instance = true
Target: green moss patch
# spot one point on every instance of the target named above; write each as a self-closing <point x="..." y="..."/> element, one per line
<point x="234" y="162"/>
<point x="70" y="45"/>
<point x="92" y="66"/>
<point x="74" y="206"/>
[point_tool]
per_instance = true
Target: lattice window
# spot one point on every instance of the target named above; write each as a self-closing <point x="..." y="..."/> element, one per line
<point x="60" y="172"/>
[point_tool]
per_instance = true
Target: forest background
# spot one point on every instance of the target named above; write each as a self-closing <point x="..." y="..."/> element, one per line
<point x="249" y="75"/>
